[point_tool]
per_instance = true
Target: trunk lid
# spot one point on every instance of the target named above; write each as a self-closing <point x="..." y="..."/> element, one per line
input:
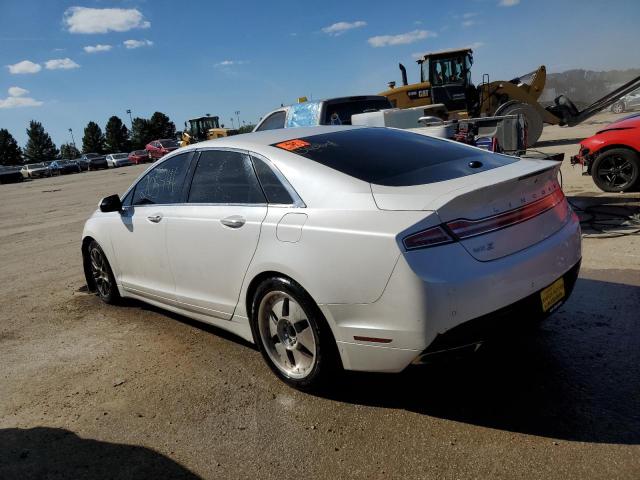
<point x="508" y="201"/>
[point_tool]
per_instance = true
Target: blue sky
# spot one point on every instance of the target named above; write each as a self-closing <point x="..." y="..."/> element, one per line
<point x="190" y="58"/>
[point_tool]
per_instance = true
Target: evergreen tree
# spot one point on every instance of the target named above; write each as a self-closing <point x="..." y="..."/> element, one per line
<point x="39" y="147"/>
<point x="116" y="136"/>
<point x="69" y="150"/>
<point x="93" y="140"/>
<point x="141" y="133"/>
<point x="10" y="153"/>
<point x="162" y="126"/>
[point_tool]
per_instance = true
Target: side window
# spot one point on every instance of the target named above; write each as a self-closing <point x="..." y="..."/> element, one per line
<point x="163" y="184"/>
<point x="225" y="177"/>
<point x="273" y="188"/>
<point x="273" y="121"/>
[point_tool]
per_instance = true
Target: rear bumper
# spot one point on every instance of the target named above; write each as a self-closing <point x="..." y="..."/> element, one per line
<point x="500" y="322"/>
<point x="441" y="298"/>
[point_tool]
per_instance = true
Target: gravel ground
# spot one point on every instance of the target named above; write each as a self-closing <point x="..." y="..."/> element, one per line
<point x="95" y="391"/>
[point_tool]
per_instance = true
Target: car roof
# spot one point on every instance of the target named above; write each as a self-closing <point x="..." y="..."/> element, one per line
<point x="256" y="140"/>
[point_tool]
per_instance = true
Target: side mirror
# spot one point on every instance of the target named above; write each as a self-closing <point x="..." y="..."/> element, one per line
<point x="111" y="203"/>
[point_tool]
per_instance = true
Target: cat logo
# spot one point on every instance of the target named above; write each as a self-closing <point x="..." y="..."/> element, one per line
<point x="413" y="94"/>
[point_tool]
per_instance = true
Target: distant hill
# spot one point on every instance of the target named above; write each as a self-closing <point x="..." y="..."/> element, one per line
<point x="584" y="87"/>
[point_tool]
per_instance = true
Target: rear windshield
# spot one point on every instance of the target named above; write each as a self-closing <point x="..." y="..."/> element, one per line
<point x="390" y="157"/>
<point x="169" y="143"/>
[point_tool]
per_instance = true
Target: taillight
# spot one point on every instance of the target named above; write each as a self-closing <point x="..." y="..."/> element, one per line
<point x="462" y="228"/>
<point x="427" y="238"/>
<point x="470" y="228"/>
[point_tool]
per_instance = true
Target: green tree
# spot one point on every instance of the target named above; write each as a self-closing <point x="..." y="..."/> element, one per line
<point x="246" y="128"/>
<point x="39" y="147"/>
<point x="162" y="126"/>
<point x="93" y="139"/>
<point x="10" y="153"/>
<point x="116" y="136"/>
<point x="69" y="150"/>
<point x="141" y="133"/>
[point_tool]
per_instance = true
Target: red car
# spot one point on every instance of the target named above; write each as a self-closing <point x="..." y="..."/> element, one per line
<point x="159" y="148"/>
<point x="138" y="156"/>
<point x="612" y="155"/>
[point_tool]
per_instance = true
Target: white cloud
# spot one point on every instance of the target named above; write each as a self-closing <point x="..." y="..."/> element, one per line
<point x="97" y="48"/>
<point x="230" y="63"/>
<point x="468" y="23"/>
<point x="137" y="43"/>
<point x="400" y="39"/>
<point x="103" y="20"/>
<point x="60" y="64"/>
<point x="508" y="3"/>
<point x="341" y="27"/>
<point x="475" y="45"/>
<point x="17" y="91"/>
<point x="17" y="99"/>
<point x="470" y="15"/>
<point x="25" y="66"/>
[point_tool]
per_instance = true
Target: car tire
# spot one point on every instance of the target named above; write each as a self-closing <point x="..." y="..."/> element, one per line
<point x="616" y="170"/>
<point x="618" y="107"/>
<point x="104" y="281"/>
<point x="292" y="334"/>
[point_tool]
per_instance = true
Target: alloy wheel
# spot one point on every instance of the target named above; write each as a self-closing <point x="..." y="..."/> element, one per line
<point x="100" y="272"/>
<point x="616" y="171"/>
<point x="287" y="335"/>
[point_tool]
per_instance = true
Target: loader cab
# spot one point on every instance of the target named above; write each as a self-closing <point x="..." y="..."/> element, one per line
<point x="449" y="74"/>
<point x="199" y="127"/>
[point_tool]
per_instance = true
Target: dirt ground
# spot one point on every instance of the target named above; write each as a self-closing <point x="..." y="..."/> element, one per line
<point x="95" y="391"/>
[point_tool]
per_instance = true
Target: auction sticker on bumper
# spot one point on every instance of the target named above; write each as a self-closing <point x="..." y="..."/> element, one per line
<point x="551" y="295"/>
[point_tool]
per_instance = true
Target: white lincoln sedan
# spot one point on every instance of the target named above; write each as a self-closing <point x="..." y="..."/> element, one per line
<point x="340" y="247"/>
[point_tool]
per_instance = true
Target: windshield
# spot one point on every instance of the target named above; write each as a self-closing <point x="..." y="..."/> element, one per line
<point x="392" y="157"/>
<point x="447" y="70"/>
<point x="91" y="155"/>
<point x="120" y="155"/>
<point x="208" y="123"/>
<point x="169" y="143"/>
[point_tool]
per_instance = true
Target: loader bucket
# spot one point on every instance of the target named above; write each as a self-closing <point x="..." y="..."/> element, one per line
<point x="569" y="115"/>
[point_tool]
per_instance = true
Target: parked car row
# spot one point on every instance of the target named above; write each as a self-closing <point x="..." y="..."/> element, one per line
<point x="88" y="162"/>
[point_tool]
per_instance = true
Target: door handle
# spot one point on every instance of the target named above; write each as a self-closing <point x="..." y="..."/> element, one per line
<point x="234" y="221"/>
<point x="154" y="218"/>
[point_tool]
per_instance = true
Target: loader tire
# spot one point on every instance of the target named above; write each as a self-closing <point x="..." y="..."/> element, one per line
<point x="532" y="117"/>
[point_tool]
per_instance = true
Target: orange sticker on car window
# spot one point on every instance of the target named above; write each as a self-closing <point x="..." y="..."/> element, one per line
<point x="292" y="144"/>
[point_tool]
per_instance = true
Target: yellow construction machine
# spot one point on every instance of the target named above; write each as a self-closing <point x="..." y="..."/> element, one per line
<point x="446" y="91"/>
<point x="203" y="128"/>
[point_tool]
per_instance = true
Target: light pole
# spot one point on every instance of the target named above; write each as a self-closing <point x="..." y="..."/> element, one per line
<point x="72" y="139"/>
<point x="130" y="118"/>
<point x="238" y="116"/>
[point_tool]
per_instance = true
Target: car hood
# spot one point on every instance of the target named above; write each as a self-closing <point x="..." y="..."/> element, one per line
<point x="630" y="122"/>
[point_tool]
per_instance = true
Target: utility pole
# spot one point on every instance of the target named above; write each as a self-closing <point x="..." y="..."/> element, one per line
<point x="130" y="118"/>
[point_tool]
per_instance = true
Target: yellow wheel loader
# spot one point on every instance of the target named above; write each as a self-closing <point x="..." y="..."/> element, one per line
<point x="203" y="128"/>
<point x="446" y="91"/>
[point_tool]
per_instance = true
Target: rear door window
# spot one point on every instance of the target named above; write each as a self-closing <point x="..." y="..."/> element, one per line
<point x="385" y="156"/>
<point x="224" y="177"/>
